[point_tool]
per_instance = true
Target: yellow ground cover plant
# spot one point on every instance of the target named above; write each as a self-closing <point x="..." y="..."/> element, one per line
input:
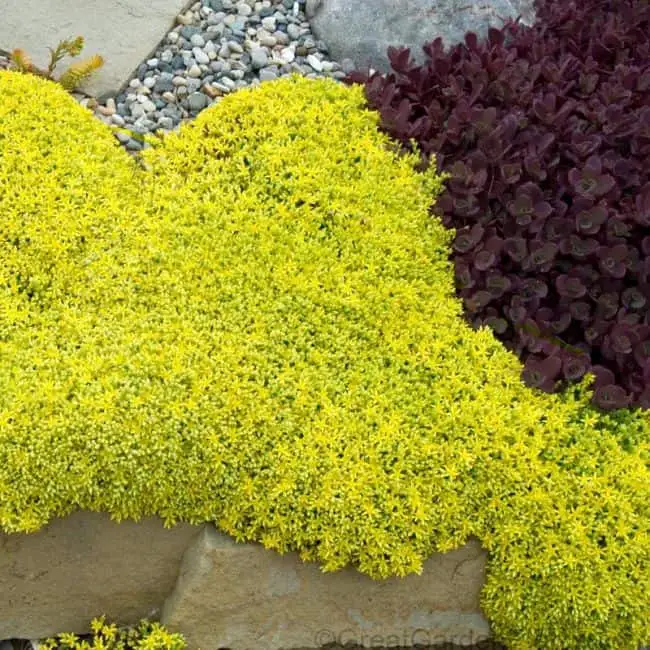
<point x="260" y="329"/>
<point x="145" y="635"/>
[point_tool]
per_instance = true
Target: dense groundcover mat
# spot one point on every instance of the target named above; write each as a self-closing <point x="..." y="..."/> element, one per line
<point x="257" y="326"/>
<point x="545" y="131"/>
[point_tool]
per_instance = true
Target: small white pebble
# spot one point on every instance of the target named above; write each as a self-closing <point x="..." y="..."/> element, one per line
<point x="315" y="62"/>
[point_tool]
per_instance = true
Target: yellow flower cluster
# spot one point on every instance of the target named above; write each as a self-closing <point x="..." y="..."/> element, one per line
<point x="260" y="329"/>
<point x="144" y="636"/>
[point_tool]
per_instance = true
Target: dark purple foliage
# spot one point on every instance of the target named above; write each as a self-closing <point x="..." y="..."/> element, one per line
<point x="546" y="134"/>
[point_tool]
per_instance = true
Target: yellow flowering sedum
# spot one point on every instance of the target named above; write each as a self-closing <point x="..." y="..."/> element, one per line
<point x="260" y="330"/>
<point x="144" y="636"/>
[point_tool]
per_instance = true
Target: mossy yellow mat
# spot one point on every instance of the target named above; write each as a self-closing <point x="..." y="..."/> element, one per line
<point x="260" y="329"/>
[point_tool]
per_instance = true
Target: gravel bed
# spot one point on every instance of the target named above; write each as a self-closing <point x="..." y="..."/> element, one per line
<point x="215" y="48"/>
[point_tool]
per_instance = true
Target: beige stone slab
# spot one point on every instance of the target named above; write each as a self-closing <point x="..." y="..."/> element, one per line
<point x="244" y="597"/>
<point x="85" y="565"/>
<point x="124" y="32"/>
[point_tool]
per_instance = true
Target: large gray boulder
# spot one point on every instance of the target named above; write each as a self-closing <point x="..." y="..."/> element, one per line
<point x="364" y="29"/>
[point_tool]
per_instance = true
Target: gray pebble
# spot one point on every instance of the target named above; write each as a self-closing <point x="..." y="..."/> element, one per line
<point x="259" y="58"/>
<point x="193" y="85"/>
<point x="177" y="62"/>
<point x="244" y="9"/>
<point x="166" y="123"/>
<point x="187" y="31"/>
<point x="137" y="110"/>
<point x="200" y="56"/>
<point x="281" y="37"/>
<point x="216" y="18"/>
<point x="267" y="75"/>
<point x="269" y="23"/>
<point x="171" y="111"/>
<point x="134" y="145"/>
<point x="163" y="84"/>
<point x="197" y="40"/>
<point x="197" y="101"/>
<point x="268" y="41"/>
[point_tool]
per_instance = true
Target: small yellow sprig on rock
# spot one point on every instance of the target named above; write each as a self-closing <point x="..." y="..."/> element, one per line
<point x="76" y="73"/>
<point x="144" y="636"/>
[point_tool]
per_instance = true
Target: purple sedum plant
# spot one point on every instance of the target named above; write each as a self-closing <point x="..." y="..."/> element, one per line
<point x="545" y="131"/>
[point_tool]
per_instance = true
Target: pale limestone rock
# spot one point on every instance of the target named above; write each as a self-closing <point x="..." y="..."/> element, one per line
<point x="244" y="597"/>
<point x="124" y="32"/>
<point x="85" y="565"/>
